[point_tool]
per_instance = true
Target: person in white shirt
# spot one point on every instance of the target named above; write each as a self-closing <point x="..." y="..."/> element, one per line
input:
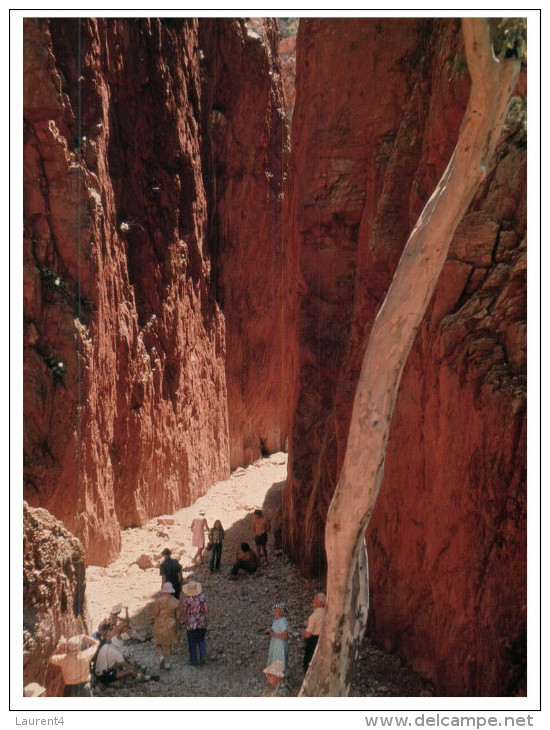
<point x="313" y="629"/>
<point x="109" y="663"/>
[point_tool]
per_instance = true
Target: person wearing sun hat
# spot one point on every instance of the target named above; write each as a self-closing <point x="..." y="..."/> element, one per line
<point x="167" y="612"/>
<point x="274" y="674"/>
<point x="278" y="646"/>
<point x="74" y="661"/>
<point x="194" y="609"/>
<point x="34" y="690"/>
<point x="122" y="628"/>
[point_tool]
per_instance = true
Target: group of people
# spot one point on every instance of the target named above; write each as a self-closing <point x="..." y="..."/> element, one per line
<point x="168" y="611"/>
<point x="101" y="656"/>
<point x="277" y="657"/>
<point x="245" y="559"/>
<point x="83" y="658"/>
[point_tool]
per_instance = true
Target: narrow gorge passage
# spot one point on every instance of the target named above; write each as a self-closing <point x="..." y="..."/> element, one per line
<point x="240" y="611"/>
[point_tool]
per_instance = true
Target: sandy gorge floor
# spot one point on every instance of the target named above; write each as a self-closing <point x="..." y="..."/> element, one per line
<point x="240" y="611"/>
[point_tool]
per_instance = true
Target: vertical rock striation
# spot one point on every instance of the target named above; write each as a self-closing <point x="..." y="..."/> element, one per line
<point x="378" y="106"/>
<point x="133" y="260"/>
<point x="245" y="148"/>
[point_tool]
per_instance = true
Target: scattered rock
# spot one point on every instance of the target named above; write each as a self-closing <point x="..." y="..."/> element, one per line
<point x="240" y="611"/>
<point x="144" y="561"/>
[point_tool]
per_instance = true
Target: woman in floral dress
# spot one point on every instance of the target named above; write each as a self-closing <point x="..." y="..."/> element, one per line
<point x="194" y="609"/>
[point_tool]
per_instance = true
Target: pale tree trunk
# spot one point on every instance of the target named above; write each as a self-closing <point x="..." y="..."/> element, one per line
<point x="330" y="672"/>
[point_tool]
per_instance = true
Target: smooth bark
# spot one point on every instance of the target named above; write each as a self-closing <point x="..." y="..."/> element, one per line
<point x="331" y="670"/>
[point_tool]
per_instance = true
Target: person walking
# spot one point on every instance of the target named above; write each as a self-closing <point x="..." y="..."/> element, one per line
<point x="170" y="572"/>
<point x="198" y="527"/>
<point x="166" y="612"/>
<point x="194" y="609"/>
<point x="216" y="538"/>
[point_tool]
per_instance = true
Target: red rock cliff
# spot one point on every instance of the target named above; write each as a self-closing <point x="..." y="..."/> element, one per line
<point x="246" y="140"/>
<point x="128" y="258"/>
<point x="378" y="106"/>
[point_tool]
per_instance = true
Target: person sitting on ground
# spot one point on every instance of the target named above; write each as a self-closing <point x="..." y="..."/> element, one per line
<point x="261" y="527"/>
<point x="216" y="538"/>
<point x="245" y="560"/>
<point x="167" y="612"/>
<point x="313" y="629"/>
<point x="122" y="628"/>
<point x="109" y="664"/>
<point x="74" y="661"/>
<point x="170" y="572"/>
<point x="198" y="527"/>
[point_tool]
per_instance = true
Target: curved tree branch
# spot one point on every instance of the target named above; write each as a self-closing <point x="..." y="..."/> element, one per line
<point x="390" y="340"/>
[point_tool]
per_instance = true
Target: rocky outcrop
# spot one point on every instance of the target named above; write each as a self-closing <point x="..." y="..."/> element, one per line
<point x="134" y="259"/>
<point x="447" y="537"/>
<point x="54" y="580"/>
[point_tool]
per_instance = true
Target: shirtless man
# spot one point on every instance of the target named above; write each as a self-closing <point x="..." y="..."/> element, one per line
<point x="261" y="528"/>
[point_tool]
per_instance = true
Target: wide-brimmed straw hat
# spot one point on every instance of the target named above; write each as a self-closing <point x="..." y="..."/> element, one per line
<point x="193" y="588"/>
<point x="167" y="587"/>
<point x="275" y="668"/>
<point x="33" y="690"/>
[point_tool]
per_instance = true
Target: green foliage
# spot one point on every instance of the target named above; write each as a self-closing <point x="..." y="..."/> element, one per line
<point x="509" y="37"/>
<point x="288" y="27"/>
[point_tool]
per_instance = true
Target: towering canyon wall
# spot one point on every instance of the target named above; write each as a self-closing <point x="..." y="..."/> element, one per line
<point x="245" y="153"/>
<point x="126" y="394"/>
<point x="378" y="107"/>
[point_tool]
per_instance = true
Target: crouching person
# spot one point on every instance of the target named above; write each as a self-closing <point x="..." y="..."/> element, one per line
<point x="109" y="664"/>
<point x="73" y="657"/>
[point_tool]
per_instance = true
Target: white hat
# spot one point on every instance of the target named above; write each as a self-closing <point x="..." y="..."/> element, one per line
<point x="74" y="643"/>
<point x="192" y="588"/>
<point x="167" y="587"/>
<point x="275" y="668"/>
<point x="33" y="690"/>
<point x="115" y="610"/>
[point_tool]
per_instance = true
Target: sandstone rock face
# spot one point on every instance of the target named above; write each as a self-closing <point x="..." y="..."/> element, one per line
<point x="245" y="138"/>
<point x="447" y="537"/>
<point x="287" y="55"/>
<point x="53" y="594"/>
<point x="126" y="392"/>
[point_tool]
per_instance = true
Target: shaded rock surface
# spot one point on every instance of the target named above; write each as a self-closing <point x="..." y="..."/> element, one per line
<point x="137" y="159"/>
<point x="54" y="582"/>
<point x="449" y="525"/>
<point x="245" y="156"/>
